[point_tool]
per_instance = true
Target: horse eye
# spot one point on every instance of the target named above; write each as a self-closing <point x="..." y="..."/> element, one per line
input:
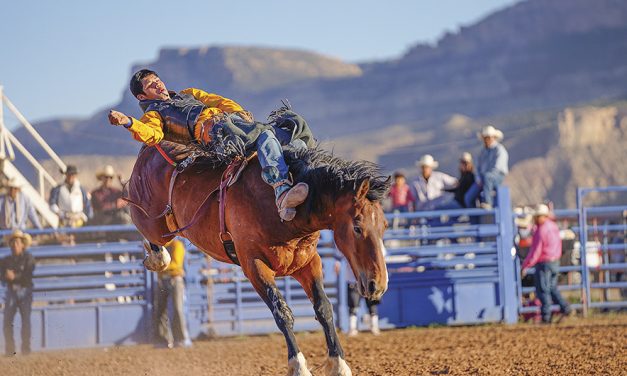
<point x="357" y="230"/>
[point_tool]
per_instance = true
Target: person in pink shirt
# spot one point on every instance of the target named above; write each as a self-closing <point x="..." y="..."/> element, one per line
<point x="401" y="194"/>
<point x="544" y="255"/>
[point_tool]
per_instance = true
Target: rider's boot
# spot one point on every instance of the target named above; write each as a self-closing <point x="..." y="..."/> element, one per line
<point x="275" y="173"/>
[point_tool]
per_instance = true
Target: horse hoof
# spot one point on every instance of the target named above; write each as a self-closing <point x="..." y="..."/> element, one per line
<point x="336" y="366"/>
<point x="297" y="366"/>
<point x="156" y="261"/>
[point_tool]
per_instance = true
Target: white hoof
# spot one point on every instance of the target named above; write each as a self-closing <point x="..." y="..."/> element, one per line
<point x="297" y="366"/>
<point x="336" y="366"/>
<point x="156" y="261"/>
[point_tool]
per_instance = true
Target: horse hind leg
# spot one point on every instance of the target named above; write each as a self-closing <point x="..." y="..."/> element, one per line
<point x="262" y="278"/>
<point x="310" y="277"/>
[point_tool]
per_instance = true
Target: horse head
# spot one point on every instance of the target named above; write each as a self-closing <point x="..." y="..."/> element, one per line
<point x="358" y="227"/>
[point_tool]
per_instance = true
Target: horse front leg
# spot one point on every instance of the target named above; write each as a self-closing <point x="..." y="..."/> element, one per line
<point x="310" y="277"/>
<point x="262" y="278"/>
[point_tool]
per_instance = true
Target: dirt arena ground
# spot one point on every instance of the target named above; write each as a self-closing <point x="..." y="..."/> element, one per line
<point x="593" y="346"/>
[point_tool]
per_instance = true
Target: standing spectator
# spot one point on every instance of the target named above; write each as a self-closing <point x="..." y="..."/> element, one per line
<point x="466" y="180"/>
<point x="106" y="200"/>
<point x="171" y="284"/>
<point x="17" y="271"/>
<point x="401" y="194"/>
<point x="431" y="185"/>
<point x="492" y="167"/>
<point x="354" y="299"/>
<point x="353" y="308"/>
<point x="16" y="208"/>
<point x="545" y="253"/>
<point x="70" y="201"/>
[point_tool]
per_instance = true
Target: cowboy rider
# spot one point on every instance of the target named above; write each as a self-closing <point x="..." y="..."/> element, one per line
<point x="189" y="116"/>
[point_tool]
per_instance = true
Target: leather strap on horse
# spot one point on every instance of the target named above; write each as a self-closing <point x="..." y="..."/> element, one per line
<point x="228" y="177"/>
<point x="165" y="155"/>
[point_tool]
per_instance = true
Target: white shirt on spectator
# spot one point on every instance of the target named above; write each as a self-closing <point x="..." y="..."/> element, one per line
<point x="430" y="193"/>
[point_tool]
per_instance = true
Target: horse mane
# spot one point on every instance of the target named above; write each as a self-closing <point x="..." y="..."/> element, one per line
<point x="330" y="176"/>
<point x="327" y="175"/>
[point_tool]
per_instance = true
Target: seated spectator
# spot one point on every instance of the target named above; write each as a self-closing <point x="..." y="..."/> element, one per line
<point x="70" y="201"/>
<point x="431" y="185"/>
<point x="466" y="180"/>
<point x="403" y="199"/>
<point x="16" y="208"/>
<point x="491" y="167"/>
<point x="106" y="201"/>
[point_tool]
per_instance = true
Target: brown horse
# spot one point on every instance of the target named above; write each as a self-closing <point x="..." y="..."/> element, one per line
<point x="344" y="197"/>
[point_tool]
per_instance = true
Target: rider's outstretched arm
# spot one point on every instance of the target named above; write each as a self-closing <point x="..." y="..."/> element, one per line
<point x="149" y="129"/>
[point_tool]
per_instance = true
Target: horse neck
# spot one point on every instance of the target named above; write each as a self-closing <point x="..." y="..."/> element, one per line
<point x="317" y="220"/>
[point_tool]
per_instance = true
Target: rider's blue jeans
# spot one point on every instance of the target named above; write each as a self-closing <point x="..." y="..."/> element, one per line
<point x="270" y="153"/>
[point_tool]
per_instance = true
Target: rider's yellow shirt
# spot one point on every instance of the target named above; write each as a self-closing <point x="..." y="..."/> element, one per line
<point x="149" y="129"/>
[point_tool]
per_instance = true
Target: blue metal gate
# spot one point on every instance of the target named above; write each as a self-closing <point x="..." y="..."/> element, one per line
<point x="451" y="267"/>
<point x="88" y="295"/>
<point x="593" y="268"/>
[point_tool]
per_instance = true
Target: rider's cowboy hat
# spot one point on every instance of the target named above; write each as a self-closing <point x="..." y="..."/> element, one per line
<point x="13" y="183"/>
<point x="427" y="160"/>
<point x="107" y="171"/>
<point x="19" y="234"/>
<point x="541" y="210"/>
<point x="70" y="170"/>
<point x="490" y="131"/>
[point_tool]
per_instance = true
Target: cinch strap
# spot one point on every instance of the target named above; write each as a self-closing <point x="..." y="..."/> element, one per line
<point x="165" y="156"/>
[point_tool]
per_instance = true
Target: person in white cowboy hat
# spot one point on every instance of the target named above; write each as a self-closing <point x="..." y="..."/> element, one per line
<point x="16" y="208"/>
<point x="492" y="166"/>
<point x="544" y="255"/>
<point x="16" y="270"/>
<point x="430" y="185"/>
<point x="70" y="201"/>
<point x="106" y="200"/>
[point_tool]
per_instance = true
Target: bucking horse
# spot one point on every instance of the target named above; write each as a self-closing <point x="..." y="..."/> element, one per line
<point x="344" y="196"/>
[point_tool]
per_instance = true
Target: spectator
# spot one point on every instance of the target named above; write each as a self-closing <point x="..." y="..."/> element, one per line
<point x="431" y="185"/>
<point x="491" y="167"/>
<point x="106" y="200"/>
<point x="17" y="271"/>
<point x="70" y="201"/>
<point x="16" y="208"/>
<point x="545" y="253"/>
<point x="466" y="180"/>
<point x="403" y="199"/>
<point x="354" y="299"/>
<point x="171" y="284"/>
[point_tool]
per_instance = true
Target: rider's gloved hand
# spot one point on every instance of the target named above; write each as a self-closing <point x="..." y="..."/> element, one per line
<point x="118" y="118"/>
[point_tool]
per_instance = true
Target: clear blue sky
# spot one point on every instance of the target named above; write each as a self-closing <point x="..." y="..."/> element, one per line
<point x="73" y="57"/>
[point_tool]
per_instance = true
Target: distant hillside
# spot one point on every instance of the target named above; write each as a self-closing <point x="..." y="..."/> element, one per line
<point x="519" y="68"/>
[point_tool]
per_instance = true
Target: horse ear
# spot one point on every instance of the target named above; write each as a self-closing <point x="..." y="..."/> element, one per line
<point x="363" y="189"/>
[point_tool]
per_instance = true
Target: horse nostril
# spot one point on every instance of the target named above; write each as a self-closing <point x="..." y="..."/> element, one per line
<point x="372" y="287"/>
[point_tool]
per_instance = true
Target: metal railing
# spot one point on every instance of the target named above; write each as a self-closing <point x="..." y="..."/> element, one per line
<point x="37" y="192"/>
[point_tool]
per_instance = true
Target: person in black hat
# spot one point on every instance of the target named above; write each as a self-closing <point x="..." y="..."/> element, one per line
<point x="70" y="201"/>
